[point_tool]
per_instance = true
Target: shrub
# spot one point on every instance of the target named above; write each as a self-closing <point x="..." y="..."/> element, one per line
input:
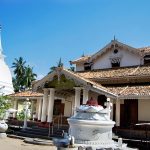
<point x="5" y="104"/>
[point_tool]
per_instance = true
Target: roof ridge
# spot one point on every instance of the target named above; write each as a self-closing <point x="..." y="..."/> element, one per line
<point x="123" y="90"/>
<point x="143" y="47"/>
<point x="82" y="58"/>
<point x="90" y="81"/>
<point x="134" y="71"/>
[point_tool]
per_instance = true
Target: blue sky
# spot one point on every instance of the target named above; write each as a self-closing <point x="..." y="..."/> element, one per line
<point x="42" y="31"/>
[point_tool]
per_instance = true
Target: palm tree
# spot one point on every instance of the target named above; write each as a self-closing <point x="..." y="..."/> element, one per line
<point x="29" y="76"/>
<point x="23" y="75"/>
<point x="19" y="71"/>
<point x="19" y="66"/>
<point x="72" y="69"/>
<point x="52" y="69"/>
<point x="59" y="64"/>
<point x="15" y="84"/>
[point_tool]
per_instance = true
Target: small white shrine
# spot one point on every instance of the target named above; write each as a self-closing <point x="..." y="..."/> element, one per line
<point x="91" y="126"/>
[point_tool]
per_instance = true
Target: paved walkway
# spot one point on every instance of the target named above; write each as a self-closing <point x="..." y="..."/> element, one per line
<point x="17" y="144"/>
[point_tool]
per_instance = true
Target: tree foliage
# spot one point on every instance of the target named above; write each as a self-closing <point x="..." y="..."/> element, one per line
<point x="24" y="75"/>
<point x="4" y="105"/>
<point x="72" y="69"/>
<point x="21" y="115"/>
<point x="53" y="68"/>
<point x="29" y="76"/>
<point x="62" y="83"/>
<point x="60" y="64"/>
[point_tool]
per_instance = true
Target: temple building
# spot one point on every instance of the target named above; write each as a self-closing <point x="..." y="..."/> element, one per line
<point x="6" y="86"/>
<point x="117" y="71"/>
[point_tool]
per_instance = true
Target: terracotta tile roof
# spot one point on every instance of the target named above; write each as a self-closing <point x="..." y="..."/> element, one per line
<point x="116" y="73"/>
<point x="145" y="50"/>
<point x="26" y="94"/>
<point x="137" y="90"/>
<point x="87" y="80"/>
<point x="80" y="60"/>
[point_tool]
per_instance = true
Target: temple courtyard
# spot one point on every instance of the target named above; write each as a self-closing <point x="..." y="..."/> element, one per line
<point x="18" y="144"/>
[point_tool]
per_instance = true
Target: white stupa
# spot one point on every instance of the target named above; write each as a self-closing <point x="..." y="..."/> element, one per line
<point x="6" y="86"/>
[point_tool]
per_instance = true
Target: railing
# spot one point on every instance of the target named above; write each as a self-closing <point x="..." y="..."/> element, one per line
<point x="51" y="125"/>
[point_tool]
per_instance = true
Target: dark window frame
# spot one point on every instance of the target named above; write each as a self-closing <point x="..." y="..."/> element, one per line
<point x="117" y="64"/>
<point x="87" y="66"/>
<point x="147" y="60"/>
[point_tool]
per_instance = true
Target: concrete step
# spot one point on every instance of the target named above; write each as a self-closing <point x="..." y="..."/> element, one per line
<point x="33" y="135"/>
<point x="33" y="132"/>
<point x="40" y="132"/>
<point x="24" y="134"/>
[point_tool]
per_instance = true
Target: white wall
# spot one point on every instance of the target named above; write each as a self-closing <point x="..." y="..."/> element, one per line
<point x="144" y="110"/>
<point x="127" y="59"/>
<point x="130" y="59"/>
<point x="20" y="106"/>
<point x="102" y="62"/>
<point x="80" y="67"/>
<point x="69" y="105"/>
<point x="68" y="109"/>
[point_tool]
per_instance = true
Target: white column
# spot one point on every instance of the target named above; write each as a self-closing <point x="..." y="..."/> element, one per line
<point x="73" y="104"/>
<point x="36" y="108"/>
<point x="111" y="113"/>
<point x="51" y="105"/>
<point x="32" y="107"/>
<point x="117" y="112"/>
<point x="15" y="107"/>
<point x="77" y="97"/>
<point x="85" y="95"/>
<point x="40" y="100"/>
<point x="44" y="105"/>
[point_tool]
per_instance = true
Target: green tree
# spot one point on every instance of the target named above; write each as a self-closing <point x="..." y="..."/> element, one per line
<point x="71" y="68"/>
<point x="19" y="65"/>
<point x="29" y="76"/>
<point x="23" y="75"/>
<point x="20" y="115"/>
<point x="52" y="69"/>
<point x="19" y="71"/>
<point x="59" y="64"/>
<point x="4" y="105"/>
<point x="15" y="84"/>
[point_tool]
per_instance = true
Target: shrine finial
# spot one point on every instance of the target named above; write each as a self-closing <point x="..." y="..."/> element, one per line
<point x="114" y="38"/>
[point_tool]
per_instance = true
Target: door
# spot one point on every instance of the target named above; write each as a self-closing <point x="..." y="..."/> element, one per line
<point x="58" y="108"/>
<point x="131" y="111"/>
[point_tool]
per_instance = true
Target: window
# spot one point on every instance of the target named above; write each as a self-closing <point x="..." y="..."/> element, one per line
<point x="147" y="59"/>
<point x="115" y="62"/>
<point x="87" y="66"/>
